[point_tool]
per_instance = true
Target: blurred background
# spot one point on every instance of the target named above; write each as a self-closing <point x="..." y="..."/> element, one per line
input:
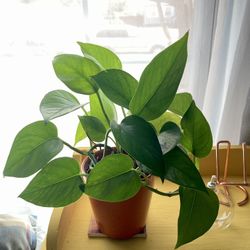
<point x="34" y="31"/>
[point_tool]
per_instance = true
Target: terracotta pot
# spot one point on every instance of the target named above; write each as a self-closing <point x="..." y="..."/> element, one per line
<point x="122" y="220"/>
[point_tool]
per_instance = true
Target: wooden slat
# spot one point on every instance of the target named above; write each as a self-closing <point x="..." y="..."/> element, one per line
<point x="208" y="164"/>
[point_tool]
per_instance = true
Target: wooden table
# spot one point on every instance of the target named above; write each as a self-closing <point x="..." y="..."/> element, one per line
<point x="69" y="226"/>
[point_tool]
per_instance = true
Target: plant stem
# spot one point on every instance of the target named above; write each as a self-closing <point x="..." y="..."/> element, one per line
<point x="96" y="146"/>
<point x="84" y="110"/>
<point x="123" y="112"/>
<point x="141" y="173"/>
<point x="83" y="174"/>
<point x="102" y="107"/>
<point x="169" y="194"/>
<point x="106" y="142"/>
<point x="112" y="140"/>
<point x="89" y="154"/>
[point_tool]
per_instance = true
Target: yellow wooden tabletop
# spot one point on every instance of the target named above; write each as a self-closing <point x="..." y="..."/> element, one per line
<point x="70" y="226"/>
<point x="68" y="229"/>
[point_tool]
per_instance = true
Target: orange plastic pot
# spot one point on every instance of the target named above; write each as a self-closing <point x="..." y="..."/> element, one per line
<point x="121" y="220"/>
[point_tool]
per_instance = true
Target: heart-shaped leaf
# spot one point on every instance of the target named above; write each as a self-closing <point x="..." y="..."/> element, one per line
<point x="169" y="137"/>
<point x="113" y="179"/>
<point x="105" y="58"/>
<point x="138" y="138"/>
<point x="58" y="103"/>
<point x="159" y="81"/>
<point x="33" y="147"/>
<point x="197" y="136"/>
<point x="119" y="86"/>
<point x="76" y="72"/>
<point x="197" y="214"/>
<point x="56" y="185"/>
<point x="181" y="170"/>
<point x="96" y="110"/>
<point x="181" y="103"/>
<point x="93" y="127"/>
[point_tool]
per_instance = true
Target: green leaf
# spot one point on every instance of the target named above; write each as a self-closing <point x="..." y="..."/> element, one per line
<point x="197" y="136"/>
<point x="56" y="185"/>
<point x="119" y="86"/>
<point x="181" y="103"/>
<point x="58" y="103"/>
<point x="76" y="72"/>
<point x="80" y="133"/>
<point x="166" y="117"/>
<point x="159" y="81"/>
<point x="181" y="170"/>
<point x="169" y="137"/>
<point x="105" y="58"/>
<point x="93" y="127"/>
<point x="33" y="147"/>
<point x="138" y="138"/>
<point x="113" y="179"/>
<point x="197" y="214"/>
<point x="95" y="108"/>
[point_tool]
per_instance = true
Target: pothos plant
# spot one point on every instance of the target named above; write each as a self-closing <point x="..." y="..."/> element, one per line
<point x="163" y="133"/>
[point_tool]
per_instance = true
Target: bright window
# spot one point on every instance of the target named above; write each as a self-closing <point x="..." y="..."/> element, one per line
<point x="34" y="31"/>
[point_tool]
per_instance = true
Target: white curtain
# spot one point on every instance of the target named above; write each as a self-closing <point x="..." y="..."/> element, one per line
<point x="219" y="66"/>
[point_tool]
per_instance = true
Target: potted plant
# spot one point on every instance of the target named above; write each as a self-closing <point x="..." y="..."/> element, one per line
<point x="162" y="134"/>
